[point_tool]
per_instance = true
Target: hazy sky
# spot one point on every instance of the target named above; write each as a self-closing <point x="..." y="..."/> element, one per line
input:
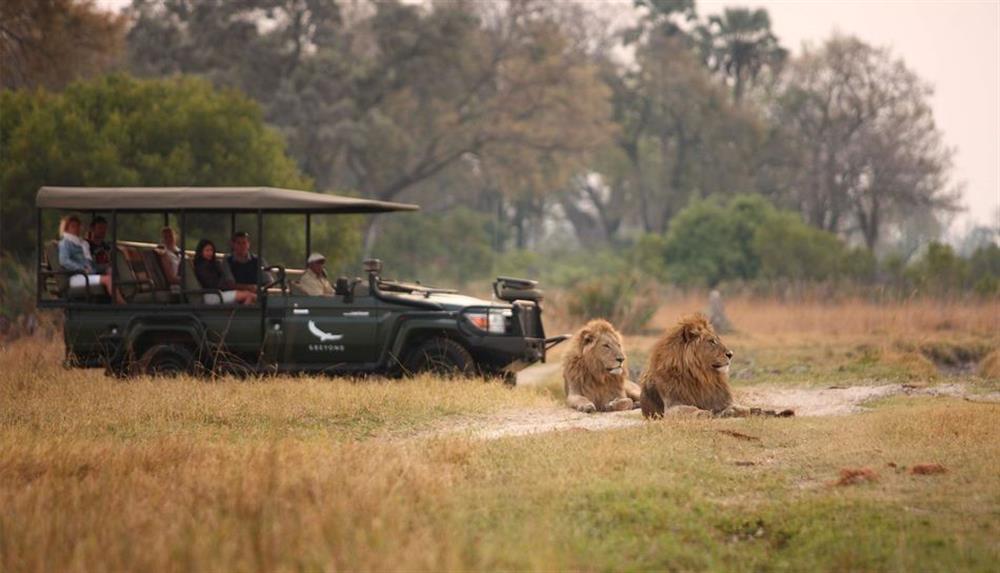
<point x="954" y="44"/>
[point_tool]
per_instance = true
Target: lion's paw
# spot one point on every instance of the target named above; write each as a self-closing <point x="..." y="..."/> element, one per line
<point x="620" y="404"/>
<point x="735" y="412"/>
<point x="587" y="408"/>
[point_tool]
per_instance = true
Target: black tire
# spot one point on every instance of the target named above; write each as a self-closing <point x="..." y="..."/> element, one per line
<point x="441" y="356"/>
<point x="165" y="360"/>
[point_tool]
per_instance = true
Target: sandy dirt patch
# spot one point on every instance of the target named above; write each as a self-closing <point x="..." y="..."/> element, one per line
<point x="838" y="401"/>
<point x="538" y="374"/>
<point x="835" y="401"/>
<point x="540" y="420"/>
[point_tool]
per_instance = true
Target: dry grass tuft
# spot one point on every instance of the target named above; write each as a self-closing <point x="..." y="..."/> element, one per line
<point x="913" y="365"/>
<point x="990" y="366"/>
<point x="323" y="474"/>
<point x="856" y="476"/>
<point x="928" y="469"/>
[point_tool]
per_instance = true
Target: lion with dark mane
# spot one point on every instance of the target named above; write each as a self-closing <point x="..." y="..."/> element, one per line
<point x="594" y="372"/>
<point x="688" y="372"/>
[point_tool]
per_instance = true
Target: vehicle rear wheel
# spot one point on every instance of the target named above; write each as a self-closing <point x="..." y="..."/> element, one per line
<point x="165" y="360"/>
<point x="441" y="356"/>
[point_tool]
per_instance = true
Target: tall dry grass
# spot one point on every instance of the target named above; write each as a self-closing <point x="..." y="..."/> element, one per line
<point x="843" y="318"/>
<point x="192" y="474"/>
<point x="311" y="473"/>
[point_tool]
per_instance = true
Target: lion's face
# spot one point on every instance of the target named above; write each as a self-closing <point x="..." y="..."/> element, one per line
<point x="604" y="349"/>
<point x="710" y="351"/>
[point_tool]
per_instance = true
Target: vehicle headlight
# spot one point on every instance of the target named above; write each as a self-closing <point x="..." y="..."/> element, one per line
<point x="493" y="320"/>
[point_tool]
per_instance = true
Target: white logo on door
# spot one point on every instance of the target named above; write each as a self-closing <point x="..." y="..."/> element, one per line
<point x="323" y="336"/>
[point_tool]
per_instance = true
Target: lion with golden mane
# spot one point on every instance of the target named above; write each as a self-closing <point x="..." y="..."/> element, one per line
<point x="688" y="373"/>
<point x="594" y="373"/>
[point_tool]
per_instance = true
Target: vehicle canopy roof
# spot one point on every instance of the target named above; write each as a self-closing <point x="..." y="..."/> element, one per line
<point x="270" y="199"/>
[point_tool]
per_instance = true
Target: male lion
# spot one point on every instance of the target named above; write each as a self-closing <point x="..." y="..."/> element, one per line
<point x="688" y="372"/>
<point x="594" y="373"/>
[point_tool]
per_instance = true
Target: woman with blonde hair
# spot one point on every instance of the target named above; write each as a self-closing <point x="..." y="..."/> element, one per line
<point x="74" y="255"/>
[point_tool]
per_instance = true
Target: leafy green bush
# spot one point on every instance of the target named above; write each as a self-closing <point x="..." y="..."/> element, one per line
<point x="790" y="249"/>
<point x="449" y="248"/>
<point x="622" y="299"/>
<point x="746" y="238"/>
<point x="122" y="131"/>
<point x="939" y="272"/>
<point x="984" y="270"/>
<point x="703" y="247"/>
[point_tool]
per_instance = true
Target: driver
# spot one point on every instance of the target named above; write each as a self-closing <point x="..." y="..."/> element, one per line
<point x="314" y="281"/>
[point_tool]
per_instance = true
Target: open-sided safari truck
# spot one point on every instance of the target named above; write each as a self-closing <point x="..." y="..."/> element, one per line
<point x="370" y="325"/>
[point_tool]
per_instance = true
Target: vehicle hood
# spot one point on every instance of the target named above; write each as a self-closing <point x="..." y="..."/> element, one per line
<point x="458" y="301"/>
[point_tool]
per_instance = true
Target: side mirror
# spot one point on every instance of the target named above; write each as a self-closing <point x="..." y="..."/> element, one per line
<point x="372" y="266"/>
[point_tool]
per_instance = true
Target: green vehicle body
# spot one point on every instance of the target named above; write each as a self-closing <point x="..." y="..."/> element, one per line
<point x="370" y="326"/>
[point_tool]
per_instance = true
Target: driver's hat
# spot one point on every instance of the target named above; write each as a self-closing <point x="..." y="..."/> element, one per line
<point x="315" y="258"/>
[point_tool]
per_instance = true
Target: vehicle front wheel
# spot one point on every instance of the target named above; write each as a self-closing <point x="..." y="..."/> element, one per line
<point x="165" y="360"/>
<point x="441" y="356"/>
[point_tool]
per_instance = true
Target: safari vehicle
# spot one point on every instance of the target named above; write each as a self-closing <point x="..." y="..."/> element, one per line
<point x="370" y="325"/>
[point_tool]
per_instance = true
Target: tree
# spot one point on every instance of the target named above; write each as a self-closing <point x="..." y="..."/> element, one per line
<point x="49" y="43"/>
<point x="747" y="238"/>
<point x="871" y="153"/>
<point x="119" y="131"/>
<point x="740" y="44"/>
<point x="679" y="133"/>
<point x="402" y="94"/>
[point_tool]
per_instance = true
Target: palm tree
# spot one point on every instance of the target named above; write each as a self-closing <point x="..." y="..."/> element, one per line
<point x="740" y="44"/>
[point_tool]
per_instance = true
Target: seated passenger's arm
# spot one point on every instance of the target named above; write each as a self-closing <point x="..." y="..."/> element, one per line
<point x="168" y="269"/>
<point x="66" y="260"/>
<point x="228" y="282"/>
<point x="205" y="278"/>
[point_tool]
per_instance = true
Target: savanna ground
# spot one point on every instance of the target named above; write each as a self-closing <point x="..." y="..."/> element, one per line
<point x="305" y="473"/>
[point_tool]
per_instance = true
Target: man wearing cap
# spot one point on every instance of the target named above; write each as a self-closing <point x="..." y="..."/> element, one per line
<point x="314" y="281"/>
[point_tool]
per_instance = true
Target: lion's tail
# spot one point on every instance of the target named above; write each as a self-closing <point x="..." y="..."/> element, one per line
<point x="651" y="402"/>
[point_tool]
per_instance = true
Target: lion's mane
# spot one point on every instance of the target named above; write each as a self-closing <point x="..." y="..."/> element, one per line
<point x="585" y="375"/>
<point x="680" y="373"/>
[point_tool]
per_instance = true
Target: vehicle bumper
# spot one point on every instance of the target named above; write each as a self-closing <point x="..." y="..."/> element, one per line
<point x="511" y="353"/>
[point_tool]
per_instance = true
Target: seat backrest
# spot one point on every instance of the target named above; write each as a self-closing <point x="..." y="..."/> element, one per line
<point x="151" y="260"/>
<point x="61" y="282"/>
<point x="296" y="289"/>
<point x="126" y="275"/>
<point x="191" y="282"/>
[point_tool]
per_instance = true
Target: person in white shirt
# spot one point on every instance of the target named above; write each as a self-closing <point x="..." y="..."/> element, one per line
<point x="170" y="255"/>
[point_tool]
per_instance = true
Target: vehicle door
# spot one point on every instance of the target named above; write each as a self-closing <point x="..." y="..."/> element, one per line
<point x="327" y="332"/>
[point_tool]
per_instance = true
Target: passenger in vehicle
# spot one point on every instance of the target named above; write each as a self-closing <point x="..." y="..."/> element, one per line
<point x="75" y="255"/>
<point x="100" y="248"/>
<point x="243" y="264"/>
<point x="314" y="282"/>
<point x="211" y="275"/>
<point x="170" y="255"/>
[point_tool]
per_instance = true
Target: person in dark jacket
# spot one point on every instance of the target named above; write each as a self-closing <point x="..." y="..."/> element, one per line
<point x="243" y="264"/>
<point x="211" y="275"/>
<point x="100" y="248"/>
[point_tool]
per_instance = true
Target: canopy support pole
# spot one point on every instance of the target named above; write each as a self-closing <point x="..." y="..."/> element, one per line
<point x="308" y="235"/>
<point x="260" y="252"/>
<point x="113" y="259"/>
<point x="41" y="251"/>
<point x="182" y="268"/>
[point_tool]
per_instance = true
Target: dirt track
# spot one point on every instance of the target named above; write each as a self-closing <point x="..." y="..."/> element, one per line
<point x="804" y="401"/>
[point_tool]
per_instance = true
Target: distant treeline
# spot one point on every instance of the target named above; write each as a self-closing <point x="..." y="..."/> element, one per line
<point x="690" y="146"/>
